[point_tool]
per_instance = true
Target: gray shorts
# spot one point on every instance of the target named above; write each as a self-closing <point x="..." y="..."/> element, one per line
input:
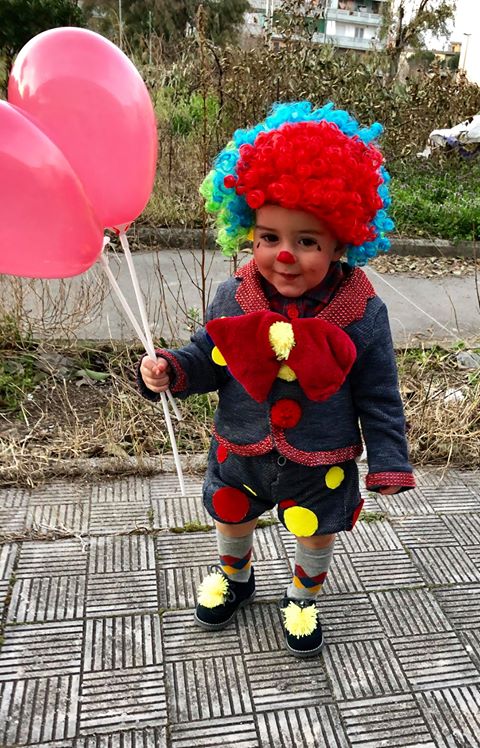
<point x="309" y="500"/>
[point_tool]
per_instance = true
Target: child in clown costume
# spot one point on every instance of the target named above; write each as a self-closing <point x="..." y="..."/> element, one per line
<point x="299" y="347"/>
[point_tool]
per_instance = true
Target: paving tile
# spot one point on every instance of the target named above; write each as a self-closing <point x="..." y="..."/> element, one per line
<point x="207" y="688"/>
<point x="349" y="618"/>
<point x="118" y="643"/>
<point x="238" y="731"/>
<point x="13" y="510"/>
<point x="310" y="727"/>
<point x="465" y="528"/>
<point x="386" y="569"/>
<point x="453" y="716"/>
<point x="412" y="503"/>
<point x="39" y="599"/>
<point x="342" y="577"/>
<point x="433" y="661"/>
<point x="267" y="544"/>
<point x="166" y="486"/>
<point x="364" y="669"/>
<point x="452" y="500"/>
<point x="388" y="722"/>
<point x="41" y="650"/>
<point x="121" y="592"/>
<point x="409" y="612"/>
<point x="38" y="710"/>
<point x="111" y="517"/>
<point x="473" y="554"/>
<point x="183" y="639"/>
<point x="121" y="553"/>
<point x="120" y="506"/>
<point x="130" y="489"/>
<point x="178" y="586"/>
<point x="67" y="513"/>
<point x="470" y="639"/>
<point x="8" y="555"/>
<point x="260" y="628"/>
<point x="368" y="537"/>
<point x="438" y="477"/>
<point x="272" y="579"/>
<point x="278" y="681"/>
<point x="416" y="532"/>
<point x="445" y="565"/>
<point x="186" y="550"/>
<point x="4" y="591"/>
<point x="47" y="558"/>
<point x="117" y="699"/>
<point x="461" y="605"/>
<point x="168" y="512"/>
<point x="149" y="737"/>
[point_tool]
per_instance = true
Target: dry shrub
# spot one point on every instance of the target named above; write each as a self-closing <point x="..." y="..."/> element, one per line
<point x="442" y="407"/>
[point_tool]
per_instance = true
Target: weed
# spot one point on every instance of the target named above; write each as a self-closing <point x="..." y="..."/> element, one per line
<point x="191" y="527"/>
<point x="366" y="516"/>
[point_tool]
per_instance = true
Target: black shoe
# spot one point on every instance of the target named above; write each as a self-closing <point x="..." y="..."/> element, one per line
<point x="303" y="630"/>
<point x="220" y="598"/>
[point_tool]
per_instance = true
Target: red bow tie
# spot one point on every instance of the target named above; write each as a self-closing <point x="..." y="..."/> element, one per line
<point x="321" y="358"/>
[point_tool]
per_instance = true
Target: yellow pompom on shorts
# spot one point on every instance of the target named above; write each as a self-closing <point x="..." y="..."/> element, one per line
<point x="309" y="500"/>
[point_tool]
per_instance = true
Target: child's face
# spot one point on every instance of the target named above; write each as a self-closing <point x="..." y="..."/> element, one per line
<point x="309" y="245"/>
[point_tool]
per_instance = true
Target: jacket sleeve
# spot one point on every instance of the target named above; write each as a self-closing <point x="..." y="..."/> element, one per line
<point x="192" y="369"/>
<point x="379" y="407"/>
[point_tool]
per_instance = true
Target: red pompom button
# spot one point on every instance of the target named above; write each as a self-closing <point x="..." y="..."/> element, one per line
<point x="230" y="504"/>
<point x="285" y="413"/>
<point x="222" y="453"/>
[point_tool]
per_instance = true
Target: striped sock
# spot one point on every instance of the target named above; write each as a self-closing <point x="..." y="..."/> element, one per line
<point x="235" y="556"/>
<point x="311" y="569"/>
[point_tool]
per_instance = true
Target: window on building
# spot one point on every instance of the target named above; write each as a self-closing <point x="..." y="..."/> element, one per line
<point x="359" y="32"/>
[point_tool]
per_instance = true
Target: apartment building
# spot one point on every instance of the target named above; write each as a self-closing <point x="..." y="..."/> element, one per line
<point x="347" y="24"/>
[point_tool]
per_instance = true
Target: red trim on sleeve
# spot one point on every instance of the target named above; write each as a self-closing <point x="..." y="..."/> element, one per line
<point x="180" y="383"/>
<point x="376" y="480"/>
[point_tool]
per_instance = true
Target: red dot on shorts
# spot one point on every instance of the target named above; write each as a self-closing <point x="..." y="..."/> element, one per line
<point x="222" y="453"/>
<point x="286" y="503"/>
<point x="230" y="504"/>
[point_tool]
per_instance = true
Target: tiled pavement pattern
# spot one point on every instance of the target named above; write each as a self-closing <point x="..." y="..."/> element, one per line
<point x="100" y="649"/>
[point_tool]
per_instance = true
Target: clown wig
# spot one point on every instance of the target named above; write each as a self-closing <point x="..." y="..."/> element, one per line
<point x="316" y="160"/>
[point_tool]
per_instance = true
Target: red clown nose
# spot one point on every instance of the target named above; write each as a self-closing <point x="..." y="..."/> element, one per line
<point x="286" y="257"/>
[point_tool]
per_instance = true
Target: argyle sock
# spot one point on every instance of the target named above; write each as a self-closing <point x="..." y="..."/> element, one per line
<point x="311" y="569"/>
<point x="235" y="556"/>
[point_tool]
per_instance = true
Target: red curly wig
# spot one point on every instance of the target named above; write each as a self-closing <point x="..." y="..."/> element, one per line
<point x="314" y="167"/>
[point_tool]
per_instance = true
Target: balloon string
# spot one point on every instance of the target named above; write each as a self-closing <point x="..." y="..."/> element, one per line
<point x="143" y="312"/>
<point x="136" y="327"/>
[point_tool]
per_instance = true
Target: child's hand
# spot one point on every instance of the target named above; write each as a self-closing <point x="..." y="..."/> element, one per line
<point x="388" y="490"/>
<point x="155" y="375"/>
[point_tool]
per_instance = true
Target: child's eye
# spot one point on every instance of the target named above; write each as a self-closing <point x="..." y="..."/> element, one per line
<point x="308" y="241"/>
<point x="269" y="238"/>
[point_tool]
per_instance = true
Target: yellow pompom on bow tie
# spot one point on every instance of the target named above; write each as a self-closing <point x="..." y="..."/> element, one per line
<point x="213" y="590"/>
<point x="300" y="621"/>
<point x="281" y="339"/>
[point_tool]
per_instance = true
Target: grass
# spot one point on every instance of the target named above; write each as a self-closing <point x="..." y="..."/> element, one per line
<point x="439" y="198"/>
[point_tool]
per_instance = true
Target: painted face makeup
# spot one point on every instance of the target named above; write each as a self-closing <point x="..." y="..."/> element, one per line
<point x="282" y="235"/>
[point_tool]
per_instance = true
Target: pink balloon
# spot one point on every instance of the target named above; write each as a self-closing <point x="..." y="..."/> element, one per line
<point x="47" y="226"/>
<point x="89" y="98"/>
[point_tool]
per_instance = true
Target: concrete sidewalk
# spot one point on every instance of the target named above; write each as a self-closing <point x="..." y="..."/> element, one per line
<point x="100" y="648"/>
<point x="170" y="279"/>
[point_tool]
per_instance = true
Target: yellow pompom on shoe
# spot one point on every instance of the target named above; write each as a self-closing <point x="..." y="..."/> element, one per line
<point x="303" y="630"/>
<point x="220" y="597"/>
<point x="213" y="590"/>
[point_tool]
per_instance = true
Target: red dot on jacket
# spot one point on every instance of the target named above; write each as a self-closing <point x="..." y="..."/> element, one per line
<point x="285" y="413"/>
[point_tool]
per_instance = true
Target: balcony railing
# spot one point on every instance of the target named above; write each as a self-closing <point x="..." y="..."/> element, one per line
<point x="346" y="42"/>
<point x="354" y="16"/>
